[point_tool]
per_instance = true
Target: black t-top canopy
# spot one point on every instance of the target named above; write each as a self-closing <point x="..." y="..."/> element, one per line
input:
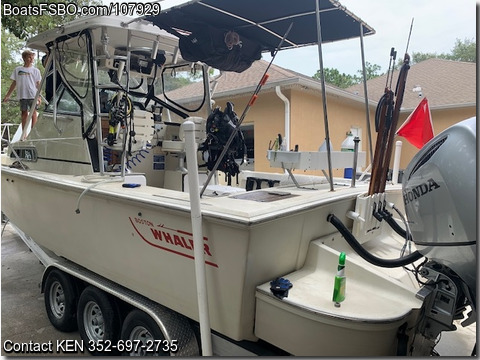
<point x="259" y="24"/>
<point x="266" y="21"/>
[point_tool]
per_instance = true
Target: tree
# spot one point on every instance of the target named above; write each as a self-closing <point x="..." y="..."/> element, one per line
<point x="15" y="30"/>
<point x="342" y="80"/>
<point x="27" y="23"/>
<point x="10" y="48"/>
<point x="333" y="76"/>
<point x="371" y="70"/>
<point x="465" y="50"/>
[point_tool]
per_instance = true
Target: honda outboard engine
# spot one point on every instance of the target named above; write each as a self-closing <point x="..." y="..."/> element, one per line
<point x="439" y="191"/>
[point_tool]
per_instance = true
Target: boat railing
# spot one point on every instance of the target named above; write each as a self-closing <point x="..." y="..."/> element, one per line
<point x="7" y="143"/>
<point x="124" y="61"/>
<point x="7" y="133"/>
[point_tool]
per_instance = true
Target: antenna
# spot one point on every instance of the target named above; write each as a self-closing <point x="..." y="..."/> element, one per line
<point x="409" y="35"/>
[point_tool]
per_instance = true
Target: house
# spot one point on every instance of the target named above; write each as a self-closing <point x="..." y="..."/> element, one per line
<point x="290" y="104"/>
<point x="449" y="86"/>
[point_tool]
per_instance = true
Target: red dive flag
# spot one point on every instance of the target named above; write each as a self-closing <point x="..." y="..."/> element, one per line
<point x="418" y="128"/>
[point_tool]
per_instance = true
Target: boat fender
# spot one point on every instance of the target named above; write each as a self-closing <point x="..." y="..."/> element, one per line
<point x="372" y="259"/>
<point x="280" y="287"/>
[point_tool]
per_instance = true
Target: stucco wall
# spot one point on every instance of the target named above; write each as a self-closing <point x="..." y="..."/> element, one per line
<point x="307" y="123"/>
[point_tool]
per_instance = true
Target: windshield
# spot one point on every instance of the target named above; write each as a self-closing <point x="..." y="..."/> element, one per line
<point x="72" y="61"/>
<point x="184" y="86"/>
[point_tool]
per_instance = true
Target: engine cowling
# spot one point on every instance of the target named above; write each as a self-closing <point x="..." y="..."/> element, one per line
<point x="439" y="191"/>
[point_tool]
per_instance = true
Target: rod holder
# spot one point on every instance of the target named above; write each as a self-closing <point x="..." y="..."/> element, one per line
<point x="356" y="140"/>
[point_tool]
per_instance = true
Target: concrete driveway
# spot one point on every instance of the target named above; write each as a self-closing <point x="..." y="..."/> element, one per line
<point x="24" y="319"/>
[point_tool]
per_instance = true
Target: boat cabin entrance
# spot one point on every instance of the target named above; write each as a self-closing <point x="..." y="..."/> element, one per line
<point x="113" y="95"/>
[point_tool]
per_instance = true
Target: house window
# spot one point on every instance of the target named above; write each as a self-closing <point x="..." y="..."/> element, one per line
<point x="248" y="135"/>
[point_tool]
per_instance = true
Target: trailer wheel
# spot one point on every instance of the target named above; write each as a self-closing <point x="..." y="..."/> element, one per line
<point x="60" y="301"/>
<point x="146" y="338"/>
<point x="97" y="321"/>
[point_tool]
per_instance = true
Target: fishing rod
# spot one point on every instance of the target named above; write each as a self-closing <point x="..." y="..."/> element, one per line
<point x="391" y="68"/>
<point x="382" y="115"/>
<point x="399" y="93"/>
<point x="384" y="103"/>
<point x="250" y="103"/>
<point x="389" y="114"/>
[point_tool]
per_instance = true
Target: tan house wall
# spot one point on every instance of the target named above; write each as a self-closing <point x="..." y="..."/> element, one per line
<point x="308" y="129"/>
<point x="307" y="125"/>
<point x="267" y="114"/>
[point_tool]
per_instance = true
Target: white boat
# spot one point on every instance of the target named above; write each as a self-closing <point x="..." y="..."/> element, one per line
<point x="102" y="187"/>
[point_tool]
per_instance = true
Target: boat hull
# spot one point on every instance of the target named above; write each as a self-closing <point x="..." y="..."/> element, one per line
<point x="141" y="239"/>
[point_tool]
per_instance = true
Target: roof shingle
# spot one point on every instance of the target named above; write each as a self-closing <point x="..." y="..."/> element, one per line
<point x="445" y="83"/>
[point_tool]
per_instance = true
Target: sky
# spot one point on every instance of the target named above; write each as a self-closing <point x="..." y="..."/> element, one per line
<point x="437" y="25"/>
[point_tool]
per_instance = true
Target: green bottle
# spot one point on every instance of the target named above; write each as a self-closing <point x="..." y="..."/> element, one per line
<point x="340" y="281"/>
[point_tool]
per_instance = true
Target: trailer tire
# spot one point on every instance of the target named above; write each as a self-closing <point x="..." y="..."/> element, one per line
<point x="60" y="298"/>
<point x="140" y="330"/>
<point x="98" y="321"/>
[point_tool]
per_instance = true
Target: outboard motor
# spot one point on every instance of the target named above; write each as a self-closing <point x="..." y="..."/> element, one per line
<point x="439" y="191"/>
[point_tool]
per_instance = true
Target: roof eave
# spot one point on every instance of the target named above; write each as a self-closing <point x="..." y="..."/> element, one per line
<point x="312" y="84"/>
<point x="445" y="107"/>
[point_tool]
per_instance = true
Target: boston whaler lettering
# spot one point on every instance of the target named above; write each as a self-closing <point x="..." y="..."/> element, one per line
<point x="152" y="247"/>
<point x="176" y="241"/>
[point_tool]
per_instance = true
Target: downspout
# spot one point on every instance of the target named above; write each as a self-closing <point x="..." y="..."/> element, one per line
<point x="286" y="138"/>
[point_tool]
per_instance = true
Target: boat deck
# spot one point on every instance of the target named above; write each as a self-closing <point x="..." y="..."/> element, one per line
<point x="243" y="207"/>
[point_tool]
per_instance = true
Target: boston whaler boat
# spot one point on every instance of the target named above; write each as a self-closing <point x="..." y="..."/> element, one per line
<point x="146" y="252"/>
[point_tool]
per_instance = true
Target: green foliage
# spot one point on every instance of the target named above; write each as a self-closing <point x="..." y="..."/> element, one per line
<point x="10" y="60"/>
<point x="371" y="70"/>
<point x="172" y="83"/>
<point x="27" y="25"/>
<point x="334" y="77"/>
<point x="15" y="30"/>
<point x="342" y="80"/>
<point x="465" y="50"/>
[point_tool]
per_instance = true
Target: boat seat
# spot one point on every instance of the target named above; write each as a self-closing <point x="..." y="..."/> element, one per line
<point x="176" y="143"/>
<point x="143" y="121"/>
